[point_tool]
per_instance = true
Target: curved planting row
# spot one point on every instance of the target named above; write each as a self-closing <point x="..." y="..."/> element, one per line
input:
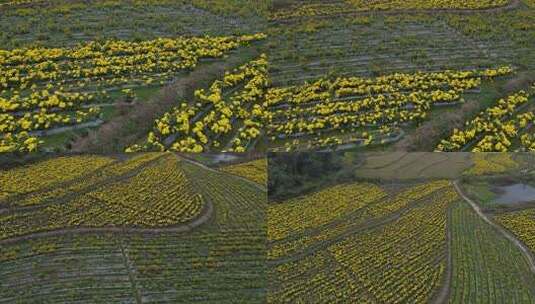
<point x="222" y="261"/>
<point x="158" y="196"/>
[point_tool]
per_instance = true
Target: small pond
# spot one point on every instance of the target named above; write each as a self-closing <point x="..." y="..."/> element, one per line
<point x="514" y="194"/>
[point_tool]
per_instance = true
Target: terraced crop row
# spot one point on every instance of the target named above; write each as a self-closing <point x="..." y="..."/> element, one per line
<point x="80" y="179"/>
<point x="48" y="173"/>
<point x="241" y="108"/>
<point x="227" y="117"/>
<point x="521" y="224"/>
<point x="65" y="23"/>
<point x="44" y="88"/>
<point x="319" y="208"/>
<point x="370" y="110"/>
<point x="223" y="261"/>
<point x="376" y="45"/>
<point x="163" y="197"/>
<point x="372" y="206"/>
<point x="492" y="163"/>
<point x="509" y="34"/>
<point x="68" y="268"/>
<point x="316" y="8"/>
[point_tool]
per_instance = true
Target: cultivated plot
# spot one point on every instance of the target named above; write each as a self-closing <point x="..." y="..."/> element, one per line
<point x="408" y="235"/>
<point x="241" y="76"/>
<point x="145" y="228"/>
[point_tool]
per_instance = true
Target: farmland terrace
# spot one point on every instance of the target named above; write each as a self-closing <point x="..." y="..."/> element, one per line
<point x="235" y="76"/>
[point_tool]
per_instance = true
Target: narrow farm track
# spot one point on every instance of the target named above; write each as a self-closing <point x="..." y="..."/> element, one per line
<point x="514" y="4"/>
<point x="131" y="276"/>
<point x="191" y="161"/>
<point x="64" y="129"/>
<point x="525" y="251"/>
<point x="443" y="294"/>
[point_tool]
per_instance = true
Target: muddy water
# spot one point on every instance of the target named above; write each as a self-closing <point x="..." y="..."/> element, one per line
<point x="514" y="194"/>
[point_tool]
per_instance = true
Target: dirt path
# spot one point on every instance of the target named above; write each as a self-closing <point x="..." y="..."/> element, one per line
<point x="512" y="5"/>
<point x="59" y="130"/>
<point x="525" y="251"/>
<point x="131" y="276"/>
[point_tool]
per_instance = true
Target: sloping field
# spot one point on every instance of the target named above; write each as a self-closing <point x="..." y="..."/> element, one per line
<point x="152" y="228"/>
<point x="422" y="243"/>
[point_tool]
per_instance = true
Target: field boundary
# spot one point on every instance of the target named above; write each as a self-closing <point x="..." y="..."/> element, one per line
<point x="193" y="162"/>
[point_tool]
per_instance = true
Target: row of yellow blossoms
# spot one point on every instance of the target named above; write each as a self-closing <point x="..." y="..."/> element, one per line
<point x="197" y="125"/>
<point x="355" y="103"/>
<point x="491" y="163"/>
<point x="108" y="61"/>
<point x="46" y="173"/>
<point x="495" y="129"/>
<point x="353" y="6"/>
<point x="244" y="98"/>
<point x="522" y="224"/>
<point x="15" y="130"/>
<point x="255" y="170"/>
<point x="43" y="88"/>
<point x="372" y="205"/>
<point x="18" y="2"/>
<point x="45" y="182"/>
